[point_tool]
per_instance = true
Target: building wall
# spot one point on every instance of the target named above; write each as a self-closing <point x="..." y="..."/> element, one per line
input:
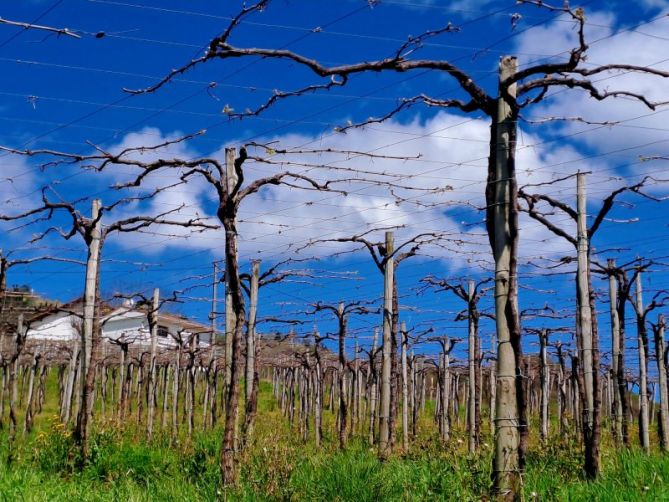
<point x="131" y="326"/>
<point x="59" y="326"/>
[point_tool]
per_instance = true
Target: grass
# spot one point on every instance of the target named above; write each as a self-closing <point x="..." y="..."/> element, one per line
<point x="279" y="466"/>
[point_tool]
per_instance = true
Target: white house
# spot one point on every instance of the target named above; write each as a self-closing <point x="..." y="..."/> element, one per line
<point x="124" y="324"/>
<point x="132" y="325"/>
<point x="57" y="326"/>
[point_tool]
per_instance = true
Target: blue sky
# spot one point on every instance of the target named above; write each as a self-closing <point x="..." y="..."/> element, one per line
<point x="60" y="93"/>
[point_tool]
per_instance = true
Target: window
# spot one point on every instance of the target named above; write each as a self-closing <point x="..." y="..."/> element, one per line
<point x="163" y="331"/>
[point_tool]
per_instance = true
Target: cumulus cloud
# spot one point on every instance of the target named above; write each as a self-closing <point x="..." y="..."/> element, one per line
<point x="174" y="199"/>
<point x="437" y="188"/>
<point x="638" y="130"/>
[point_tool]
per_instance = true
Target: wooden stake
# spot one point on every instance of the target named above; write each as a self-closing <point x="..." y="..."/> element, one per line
<point x="503" y="196"/>
<point x="82" y="431"/>
<point x="384" y="414"/>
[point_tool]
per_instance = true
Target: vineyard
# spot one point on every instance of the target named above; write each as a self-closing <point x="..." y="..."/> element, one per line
<point x="356" y="250"/>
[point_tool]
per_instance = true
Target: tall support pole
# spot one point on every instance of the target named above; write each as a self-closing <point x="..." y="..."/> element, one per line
<point x="69" y="391"/>
<point x="82" y="431"/>
<point x="545" y="384"/>
<point x="502" y="223"/>
<point x="251" y="379"/>
<point x="662" y="377"/>
<point x="319" y="385"/>
<point x="471" y="413"/>
<point x="152" y="370"/>
<point x="214" y="302"/>
<point x="229" y="332"/>
<point x="617" y="409"/>
<point x="209" y="411"/>
<point x="341" y="377"/>
<point x="643" y="373"/>
<point x="13" y="381"/>
<point x="384" y="412"/>
<point x="30" y="398"/>
<point x="405" y="389"/>
<point x="588" y="344"/>
<point x="230" y="317"/>
<point x="372" y="382"/>
<point x="230" y="320"/>
<point x="445" y="390"/>
<point x="3" y="272"/>
<point x="584" y="311"/>
<point x="493" y="394"/>
<point x="175" y="390"/>
<point x="358" y="385"/>
<point x="4" y="369"/>
<point x="235" y="318"/>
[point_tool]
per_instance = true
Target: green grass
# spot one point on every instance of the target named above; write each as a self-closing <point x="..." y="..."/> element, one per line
<point x="123" y="469"/>
<point x="279" y="466"/>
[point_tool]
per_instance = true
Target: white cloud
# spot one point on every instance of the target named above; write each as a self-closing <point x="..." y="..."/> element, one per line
<point x="453" y="153"/>
<point x="641" y="131"/>
<point x="182" y="201"/>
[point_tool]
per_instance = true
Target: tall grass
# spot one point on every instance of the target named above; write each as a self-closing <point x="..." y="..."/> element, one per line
<point x="278" y="466"/>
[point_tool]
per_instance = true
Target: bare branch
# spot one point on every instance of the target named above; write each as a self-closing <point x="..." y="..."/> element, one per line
<point x="405" y="103"/>
<point x="572" y="83"/>
<point x="220" y="48"/>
